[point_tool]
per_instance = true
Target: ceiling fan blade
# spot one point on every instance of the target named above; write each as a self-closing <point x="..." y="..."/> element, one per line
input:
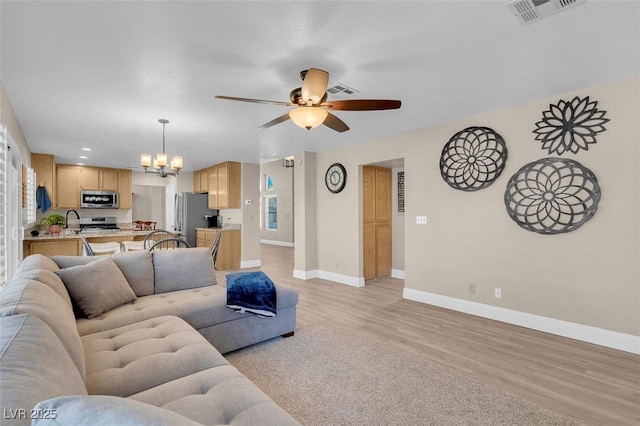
<point x="335" y="123"/>
<point x="314" y="85"/>
<point x="278" y="120"/>
<point x="255" y="101"/>
<point x="362" y="104"/>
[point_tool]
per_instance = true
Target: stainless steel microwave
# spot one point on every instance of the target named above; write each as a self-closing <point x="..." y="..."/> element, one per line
<point x="98" y="199"/>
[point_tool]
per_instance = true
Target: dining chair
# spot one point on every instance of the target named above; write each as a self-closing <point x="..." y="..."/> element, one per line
<point x="215" y="246"/>
<point x="169" y="243"/>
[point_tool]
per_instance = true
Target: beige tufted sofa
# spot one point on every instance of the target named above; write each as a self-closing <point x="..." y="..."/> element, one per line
<point x="150" y="353"/>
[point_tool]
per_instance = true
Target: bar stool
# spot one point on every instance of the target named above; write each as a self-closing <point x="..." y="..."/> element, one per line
<point x="133" y="245"/>
<point x="99" y="249"/>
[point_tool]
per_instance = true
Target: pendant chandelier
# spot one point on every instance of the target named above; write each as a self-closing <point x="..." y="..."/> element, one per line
<point x="160" y="162"/>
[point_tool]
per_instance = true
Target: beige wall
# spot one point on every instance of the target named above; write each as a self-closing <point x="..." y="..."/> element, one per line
<point x="283" y="188"/>
<point x="8" y="118"/>
<point x="590" y="276"/>
<point x="250" y="215"/>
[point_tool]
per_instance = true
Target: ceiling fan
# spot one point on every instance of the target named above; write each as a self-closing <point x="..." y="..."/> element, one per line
<point x="311" y="104"/>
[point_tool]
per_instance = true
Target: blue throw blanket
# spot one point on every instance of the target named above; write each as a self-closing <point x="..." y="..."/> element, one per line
<point x="252" y="292"/>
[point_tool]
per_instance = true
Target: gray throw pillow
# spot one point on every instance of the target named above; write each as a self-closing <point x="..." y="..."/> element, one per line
<point x="137" y="268"/>
<point x="183" y="268"/>
<point x="97" y="287"/>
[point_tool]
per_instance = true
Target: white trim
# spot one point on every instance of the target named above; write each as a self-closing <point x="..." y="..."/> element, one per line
<point x="250" y="264"/>
<point x="329" y="276"/>
<point x="397" y="273"/>
<point x="585" y="333"/>
<point x="277" y="243"/>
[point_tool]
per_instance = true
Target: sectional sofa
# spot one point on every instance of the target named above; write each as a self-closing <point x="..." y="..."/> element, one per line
<point x="135" y="338"/>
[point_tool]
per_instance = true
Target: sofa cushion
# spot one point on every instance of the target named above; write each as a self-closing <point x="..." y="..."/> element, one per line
<point x="49" y="278"/>
<point x="37" y="261"/>
<point x="107" y="411"/>
<point x="200" y="307"/>
<point x="220" y="395"/>
<point x="97" y="287"/>
<point x="134" y="358"/>
<point x="137" y="267"/>
<point x="69" y="261"/>
<point x="181" y="269"/>
<point x="23" y="296"/>
<point x="34" y="366"/>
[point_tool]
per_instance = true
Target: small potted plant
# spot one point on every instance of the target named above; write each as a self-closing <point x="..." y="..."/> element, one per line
<point x="54" y="221"/>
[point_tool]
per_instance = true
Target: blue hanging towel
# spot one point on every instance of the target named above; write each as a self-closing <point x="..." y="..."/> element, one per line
<point x="42" y="198"/>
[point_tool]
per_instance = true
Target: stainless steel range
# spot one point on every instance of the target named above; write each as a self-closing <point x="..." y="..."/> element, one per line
<point x="96" y="224"/>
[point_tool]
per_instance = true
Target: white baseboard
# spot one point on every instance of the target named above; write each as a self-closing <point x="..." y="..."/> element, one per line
<point x="277" y="243"/>
<point x="329" y="276"/>
<point x="397" y="273"/>
<point x="584" y="333"/>
<point x="250" y="264"/>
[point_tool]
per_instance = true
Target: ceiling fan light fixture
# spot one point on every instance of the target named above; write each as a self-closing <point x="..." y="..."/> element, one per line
<point x="308" y="117"/>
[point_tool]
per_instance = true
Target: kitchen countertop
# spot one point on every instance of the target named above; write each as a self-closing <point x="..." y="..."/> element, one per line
<point x="229" y="227"/>
<point x="90" y="234"/>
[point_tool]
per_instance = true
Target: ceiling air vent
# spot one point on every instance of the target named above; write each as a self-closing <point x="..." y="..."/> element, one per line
<point x="342" y="88"/>
<point x="528" y="11"/>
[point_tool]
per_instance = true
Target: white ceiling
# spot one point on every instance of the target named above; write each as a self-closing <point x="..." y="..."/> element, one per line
<point x="101" y="73"/>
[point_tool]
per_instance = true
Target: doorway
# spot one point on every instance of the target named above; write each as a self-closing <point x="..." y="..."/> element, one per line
<point x="376" y="222"/>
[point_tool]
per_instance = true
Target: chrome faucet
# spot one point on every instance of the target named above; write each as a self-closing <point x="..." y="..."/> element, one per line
<point x="66" y="218"/>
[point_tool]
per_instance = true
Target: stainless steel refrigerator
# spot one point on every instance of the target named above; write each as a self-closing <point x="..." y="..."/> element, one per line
<point x="190" y="210"/>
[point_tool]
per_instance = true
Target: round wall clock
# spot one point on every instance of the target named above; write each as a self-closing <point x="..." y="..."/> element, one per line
<point x="335" y="178"/>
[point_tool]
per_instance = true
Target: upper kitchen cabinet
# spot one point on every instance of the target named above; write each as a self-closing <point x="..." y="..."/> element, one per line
<point x="201" y="181"/>
<point x="224" y="182"/>
<point x="124" y="188"/>
<point x="67" y="187"/>
<point x="108" y="179"/>
<point x="71" y="179"/>
<point x="45" y="167"/>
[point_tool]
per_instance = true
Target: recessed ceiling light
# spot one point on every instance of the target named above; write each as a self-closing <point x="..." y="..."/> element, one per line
<point x="86" y="149"/>
<point x="79" y="164"/>
<point x="84" y="157"/>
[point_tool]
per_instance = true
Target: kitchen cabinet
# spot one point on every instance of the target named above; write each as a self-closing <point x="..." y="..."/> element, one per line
<point x="224" y="186"/>
<point x="89" y="178"/>
<point x="201" y="181"/>
<point x="45" y="167"/>
<point x="124" y="188"/>
<point x="229" y="252"/>
<point x="71" y="179"/>
<point x="108" y="180"/>
<point x="61" y="247"/>
<point x="67" y="187"/>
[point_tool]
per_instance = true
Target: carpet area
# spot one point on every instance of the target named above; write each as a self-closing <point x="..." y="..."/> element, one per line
<point x="332" y="375"/>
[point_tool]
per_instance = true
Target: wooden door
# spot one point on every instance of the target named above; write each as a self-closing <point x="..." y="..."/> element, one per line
<point x="376" y="217"/>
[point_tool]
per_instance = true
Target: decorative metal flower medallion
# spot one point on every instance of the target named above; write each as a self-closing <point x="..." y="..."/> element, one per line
<point x="570" y="126"/>
<point x="473" y="158"/>
<point x="552" y="195"/>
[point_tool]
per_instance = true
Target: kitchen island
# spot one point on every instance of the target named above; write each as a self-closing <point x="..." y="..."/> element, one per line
<point x="70" y="244"/>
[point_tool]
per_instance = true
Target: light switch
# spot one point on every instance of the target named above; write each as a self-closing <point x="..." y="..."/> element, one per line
<point x="421" y="220"/>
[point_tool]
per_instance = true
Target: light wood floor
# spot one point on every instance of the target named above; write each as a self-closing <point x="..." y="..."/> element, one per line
<point x="584" y="382"/>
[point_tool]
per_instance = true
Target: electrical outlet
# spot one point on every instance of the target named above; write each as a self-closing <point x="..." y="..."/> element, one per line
<point x="421" y="220"/>
<point x="472" y="288"/>
<point x="497" y="293"/>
